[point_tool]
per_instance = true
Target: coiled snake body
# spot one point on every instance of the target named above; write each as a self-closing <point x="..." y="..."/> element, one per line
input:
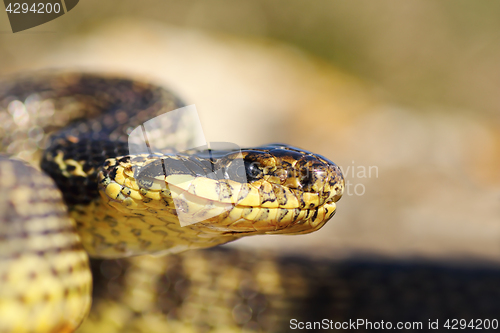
<point x="77" y="125"/>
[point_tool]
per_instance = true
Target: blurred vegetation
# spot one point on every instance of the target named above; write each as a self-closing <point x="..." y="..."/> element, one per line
<point x="425" y="53"/>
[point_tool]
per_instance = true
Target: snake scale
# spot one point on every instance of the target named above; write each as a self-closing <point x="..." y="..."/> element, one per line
<point x="76" y="126"/>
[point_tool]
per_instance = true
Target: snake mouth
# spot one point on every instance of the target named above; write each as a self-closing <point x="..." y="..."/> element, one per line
<point x="319" y="217"/>
<point x="280" y="221"/>
<point x="312" y="220"/>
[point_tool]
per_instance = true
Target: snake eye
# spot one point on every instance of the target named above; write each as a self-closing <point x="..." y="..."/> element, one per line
<point x="253" y="171"/>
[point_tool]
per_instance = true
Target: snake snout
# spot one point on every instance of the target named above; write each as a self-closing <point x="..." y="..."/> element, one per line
<point x="336" y="182"/>
<point x="319" y="175"/>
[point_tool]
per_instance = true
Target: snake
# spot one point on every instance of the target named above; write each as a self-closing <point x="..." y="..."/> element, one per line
<point x="74" y="186"/>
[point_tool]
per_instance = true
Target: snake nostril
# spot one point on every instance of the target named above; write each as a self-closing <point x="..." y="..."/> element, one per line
<point x="312" y="177"/>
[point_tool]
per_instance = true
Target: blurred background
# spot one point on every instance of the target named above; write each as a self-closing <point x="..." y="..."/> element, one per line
<point x="404" y="96"/>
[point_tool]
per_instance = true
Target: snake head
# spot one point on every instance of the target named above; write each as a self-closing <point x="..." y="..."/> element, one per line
<point x="296" y="190"/>
<point x="273" y="189"/>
